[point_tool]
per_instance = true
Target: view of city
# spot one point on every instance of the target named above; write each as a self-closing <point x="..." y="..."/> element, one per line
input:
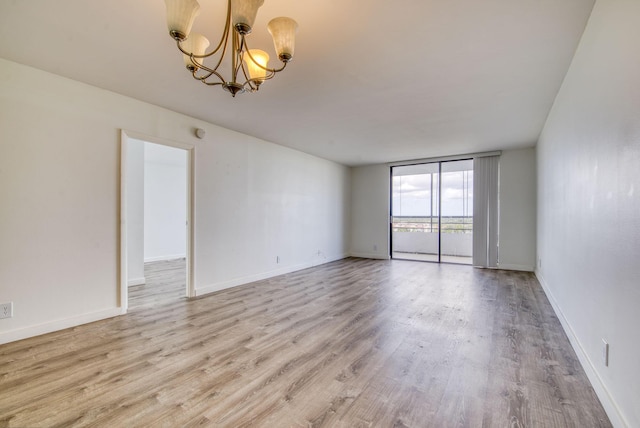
<point x="449" y="224"/>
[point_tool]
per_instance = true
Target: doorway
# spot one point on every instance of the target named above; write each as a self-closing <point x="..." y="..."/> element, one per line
<point x="156" y="221"/>
<point x="432" y="211"/>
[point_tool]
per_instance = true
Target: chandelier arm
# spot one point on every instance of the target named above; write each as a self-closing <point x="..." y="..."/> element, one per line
<point x="260" y="79"/>
<point x="204" y="77"/>
<point x="239" y="66"/>
<point x="224" y="41"/>
<point x="191" y="54"/>
<point x="271" y="70"/>
<point x="236" y="56"/>
<point x="197" y="65"/>
<point x="212" y="83"/>
<point x="225" y="34"/>
<point x="244" y="71"/>
<point x="251" y="87"/>
<point x="254" y="84"/>
<point x="241" y="49"/>
<point x="210" y="72"/>
<point x="224" y="49"/>
<point x="250" y="82"/>
<point x="270" y="75"/>
<point x="277" y="70"/>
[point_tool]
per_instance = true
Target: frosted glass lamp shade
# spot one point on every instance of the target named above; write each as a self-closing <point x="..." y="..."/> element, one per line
<point x="257" y="65"/>
<point x="243" y="14"/>
<point x="283" y="31"/>
<point x="196" y="44"/>
<point x="180" y="17"/>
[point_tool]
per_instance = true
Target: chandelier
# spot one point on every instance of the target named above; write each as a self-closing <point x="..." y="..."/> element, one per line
<point x="249" y="67"/>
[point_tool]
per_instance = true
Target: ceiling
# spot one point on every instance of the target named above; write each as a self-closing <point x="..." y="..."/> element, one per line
<point x="392" y="81"/>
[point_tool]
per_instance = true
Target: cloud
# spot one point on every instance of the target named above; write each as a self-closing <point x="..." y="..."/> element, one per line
<point x="412" y="193"/>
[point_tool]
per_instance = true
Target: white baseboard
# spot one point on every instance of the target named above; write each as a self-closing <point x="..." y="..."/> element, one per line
<point x="370" y="256"/>
<point x="61" y="324"/>
<point x="608" y="402"/>
<point x="200" y="291"/>
<point x="508" y="266"/>
<point x="136" y="281"/>
<point x="163" y="258"/>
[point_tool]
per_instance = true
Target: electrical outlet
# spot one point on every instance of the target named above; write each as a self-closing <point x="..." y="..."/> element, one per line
<point x="277" y="259"/>
<point x="6" y="310"/>
<point x="375" y="247"/>
<point x="605" y="353"/>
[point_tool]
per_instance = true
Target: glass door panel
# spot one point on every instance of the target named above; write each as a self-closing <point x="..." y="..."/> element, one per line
<point x="456" y="221"/>
<point x="415" y="212"/>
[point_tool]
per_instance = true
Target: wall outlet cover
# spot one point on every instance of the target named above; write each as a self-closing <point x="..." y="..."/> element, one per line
<point x="6" y="310"/>
<point x="605" y="353"/>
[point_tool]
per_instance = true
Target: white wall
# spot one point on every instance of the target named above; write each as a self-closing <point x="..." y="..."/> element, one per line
<point x="370" y="211"/>
<point x="589" y="205"/>
<point x="275" y="209"/>
<point x="517" y="225"/>
<point x="60" y="193"/>
<point x="135" y="212"/>
<point x="165" y="202"/>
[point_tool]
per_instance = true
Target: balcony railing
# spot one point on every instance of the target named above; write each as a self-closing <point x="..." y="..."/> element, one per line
<point x="419" y="235"/>
<point x="449" y="224"/>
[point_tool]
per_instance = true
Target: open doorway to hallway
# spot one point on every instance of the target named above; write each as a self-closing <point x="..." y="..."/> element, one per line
<point x="157" y="228"/>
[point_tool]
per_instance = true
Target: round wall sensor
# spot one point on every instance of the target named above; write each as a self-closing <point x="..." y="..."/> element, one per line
<point x="200" y="133"/>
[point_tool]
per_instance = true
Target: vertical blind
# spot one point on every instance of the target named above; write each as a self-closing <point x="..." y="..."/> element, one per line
<point x="485" y="211"/>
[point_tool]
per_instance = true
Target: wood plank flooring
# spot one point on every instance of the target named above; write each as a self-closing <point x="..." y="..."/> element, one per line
<point x="353" y="343"/>
<point x="165" y="284"/>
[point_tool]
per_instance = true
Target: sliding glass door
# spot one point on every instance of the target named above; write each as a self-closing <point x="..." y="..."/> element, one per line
<point x="456" y="237"/>
<point x="415" y="212"/>
<point x="432" y="211"/>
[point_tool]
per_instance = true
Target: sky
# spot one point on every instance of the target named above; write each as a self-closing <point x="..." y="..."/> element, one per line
<point x="412" y="194"/>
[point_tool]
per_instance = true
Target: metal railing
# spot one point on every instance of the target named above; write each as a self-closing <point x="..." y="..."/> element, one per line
<point x="449" y="224"/>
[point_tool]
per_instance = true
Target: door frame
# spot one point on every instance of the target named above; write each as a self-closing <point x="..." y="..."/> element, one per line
<point x="190" y="248"/>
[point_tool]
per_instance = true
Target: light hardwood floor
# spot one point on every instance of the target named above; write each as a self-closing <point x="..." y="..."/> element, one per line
<point x="350" y="343"/>
<point x="165" y="284"/>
